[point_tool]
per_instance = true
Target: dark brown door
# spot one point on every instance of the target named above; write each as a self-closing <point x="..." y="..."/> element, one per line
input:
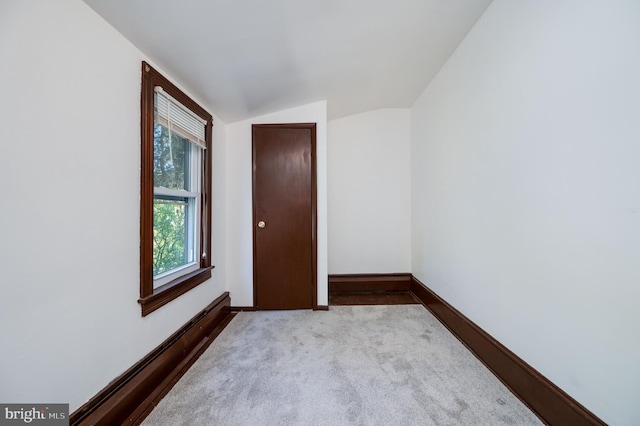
<point x="284" y="211"/>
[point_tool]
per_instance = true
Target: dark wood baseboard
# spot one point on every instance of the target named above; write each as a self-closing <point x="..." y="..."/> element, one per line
<point x="544" y="398"/>
<point x="253" y="308"/>
<point x="362" y="298"/>
<point x="132" y="396"/>
<point x="243" y="309"/>
<point x="369" y="282"/>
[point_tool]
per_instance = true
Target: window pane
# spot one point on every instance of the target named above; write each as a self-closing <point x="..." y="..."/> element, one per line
<point x="170" y="159"/>
<point x="170" y="245"/>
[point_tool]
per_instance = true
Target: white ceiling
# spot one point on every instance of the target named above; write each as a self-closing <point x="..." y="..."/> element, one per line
<point x="245" y="58"/>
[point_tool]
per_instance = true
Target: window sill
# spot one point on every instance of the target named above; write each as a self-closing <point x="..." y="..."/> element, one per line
<point x="173" y="289"/>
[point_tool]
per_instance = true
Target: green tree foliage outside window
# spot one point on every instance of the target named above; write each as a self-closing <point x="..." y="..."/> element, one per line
<point x="171" y="170"/>
<point x="168" y="235"/>
<point x="170" y="160"/>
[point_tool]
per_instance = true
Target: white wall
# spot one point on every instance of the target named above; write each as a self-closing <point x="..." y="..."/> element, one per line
<point x="526" y="191"/>
<point x="69" y="223"/>
<point x="369" y="192"/>
<point x="239" y="202"/>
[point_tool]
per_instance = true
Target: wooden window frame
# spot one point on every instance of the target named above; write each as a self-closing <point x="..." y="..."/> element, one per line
<point x="150" y="298"/>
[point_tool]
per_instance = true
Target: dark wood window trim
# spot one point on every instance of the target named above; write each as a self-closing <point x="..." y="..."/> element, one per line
<point x="151" y="299"/>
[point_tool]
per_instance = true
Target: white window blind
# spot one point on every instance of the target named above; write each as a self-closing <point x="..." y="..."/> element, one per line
<point x="178" y="118"/>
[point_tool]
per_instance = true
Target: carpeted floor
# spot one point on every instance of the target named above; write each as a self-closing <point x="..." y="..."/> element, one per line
<point x="352" y="365"/>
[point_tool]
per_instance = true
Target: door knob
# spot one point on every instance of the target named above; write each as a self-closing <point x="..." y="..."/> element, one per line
<point x="261" y="224"/>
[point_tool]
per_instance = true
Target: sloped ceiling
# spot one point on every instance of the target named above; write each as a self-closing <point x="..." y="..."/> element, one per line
<point x="249" y="57"/>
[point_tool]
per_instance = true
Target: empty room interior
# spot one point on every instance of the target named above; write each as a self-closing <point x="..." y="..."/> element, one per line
<point x="481" y="157"/>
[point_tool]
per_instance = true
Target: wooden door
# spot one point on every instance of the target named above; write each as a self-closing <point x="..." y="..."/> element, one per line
<point x="284" y="216"/>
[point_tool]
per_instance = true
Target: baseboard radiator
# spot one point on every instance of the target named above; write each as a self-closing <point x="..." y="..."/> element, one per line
<point x="132" y="396"/>
<point x="550" y="403"/>
<point x="348" y="283"/>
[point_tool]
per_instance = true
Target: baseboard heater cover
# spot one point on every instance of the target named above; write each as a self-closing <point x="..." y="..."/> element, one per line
<point x="369" y="282"/>
<point x="132" y="396"/>
<point x="548" y="401"/>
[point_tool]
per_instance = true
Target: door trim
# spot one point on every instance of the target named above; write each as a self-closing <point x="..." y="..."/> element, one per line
<point x="314" y="207"/>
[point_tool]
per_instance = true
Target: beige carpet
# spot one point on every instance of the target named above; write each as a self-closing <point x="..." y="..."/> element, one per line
<point x="353" y="365"/>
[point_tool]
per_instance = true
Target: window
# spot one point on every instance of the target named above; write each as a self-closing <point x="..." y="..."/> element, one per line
<point x="175" y="214"/>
